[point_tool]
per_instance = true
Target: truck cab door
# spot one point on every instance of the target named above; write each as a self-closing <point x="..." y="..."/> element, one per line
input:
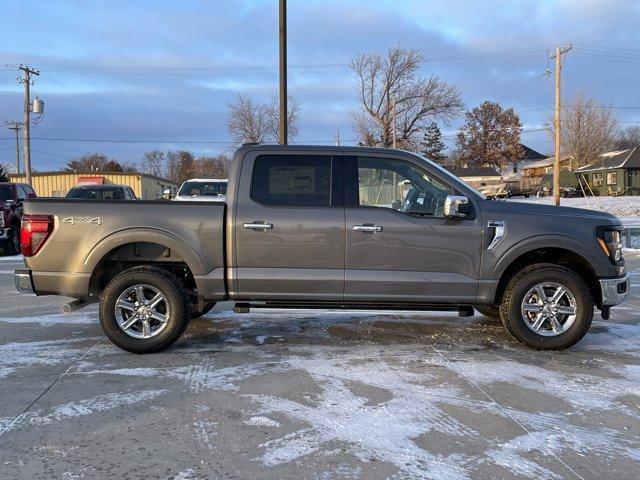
<point x="289" y="226"/>
<point x="400" y="247"/>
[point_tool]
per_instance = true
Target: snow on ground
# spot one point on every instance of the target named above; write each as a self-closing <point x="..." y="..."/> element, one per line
<point x="12" y="258"/>
<point x="627" y="208"/>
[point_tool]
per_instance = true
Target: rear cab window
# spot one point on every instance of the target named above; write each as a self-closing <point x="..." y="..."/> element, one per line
<point x="292" y="180"/>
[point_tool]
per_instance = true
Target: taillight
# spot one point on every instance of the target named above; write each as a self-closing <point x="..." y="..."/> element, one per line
<point x="34" y="232"/>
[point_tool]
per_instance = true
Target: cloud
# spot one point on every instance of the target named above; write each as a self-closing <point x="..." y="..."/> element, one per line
<point x="74" y="42"/>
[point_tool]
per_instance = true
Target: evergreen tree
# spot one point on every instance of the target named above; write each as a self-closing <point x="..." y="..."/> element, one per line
<point x="431" y="145"/>
<point x="3" y="176"/>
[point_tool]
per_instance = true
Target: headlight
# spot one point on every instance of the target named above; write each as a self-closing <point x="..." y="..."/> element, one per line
<point x="609" y="240"/>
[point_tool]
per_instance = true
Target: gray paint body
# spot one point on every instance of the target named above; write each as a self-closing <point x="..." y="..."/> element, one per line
<point x="313" y="254"/>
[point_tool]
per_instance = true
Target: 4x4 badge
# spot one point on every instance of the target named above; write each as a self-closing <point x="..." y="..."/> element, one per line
<point x="82" y="220"/>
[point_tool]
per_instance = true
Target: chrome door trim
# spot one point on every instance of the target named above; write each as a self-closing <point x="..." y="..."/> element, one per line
<point x="258" y="226"/>
<point x="367" y="228"/>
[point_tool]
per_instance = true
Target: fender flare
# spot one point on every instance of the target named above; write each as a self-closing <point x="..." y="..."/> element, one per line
<point x="147" y="235"/>
<point x="556" y="241"/>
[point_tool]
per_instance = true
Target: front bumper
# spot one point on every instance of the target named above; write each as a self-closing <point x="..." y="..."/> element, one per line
<point x="23" y="281"/>
<point x="614" y="290"/>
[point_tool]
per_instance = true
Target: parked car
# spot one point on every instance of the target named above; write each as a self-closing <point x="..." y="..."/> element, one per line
<point x="327" y="227"/>
<point x="203" y="190"/>
<point x="101" y="192"/>
<point x="12" y="196"/>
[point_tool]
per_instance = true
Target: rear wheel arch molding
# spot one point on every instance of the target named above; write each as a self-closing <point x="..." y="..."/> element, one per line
<point x="146" y="235"/>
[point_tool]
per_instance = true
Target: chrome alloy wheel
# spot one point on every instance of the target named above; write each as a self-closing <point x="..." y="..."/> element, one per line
<point x="549" y="309"/>
<point x="142" y="311"/>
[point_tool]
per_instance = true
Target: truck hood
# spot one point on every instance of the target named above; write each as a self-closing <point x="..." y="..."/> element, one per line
<point x="563" y="213"/>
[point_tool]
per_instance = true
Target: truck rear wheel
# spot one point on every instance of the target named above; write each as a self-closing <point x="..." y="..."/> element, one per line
<point x="144" y="309"/>
<point x="547" y="307"/>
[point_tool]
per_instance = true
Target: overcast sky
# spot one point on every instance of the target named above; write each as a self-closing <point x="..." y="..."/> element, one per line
<point x="160" y="73"/>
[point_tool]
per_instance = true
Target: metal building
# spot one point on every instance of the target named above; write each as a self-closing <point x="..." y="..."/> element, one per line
<point x="57" y="184"/>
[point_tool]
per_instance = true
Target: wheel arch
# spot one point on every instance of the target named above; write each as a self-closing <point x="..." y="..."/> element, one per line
<point x="559" y="255"/>
<point x="118" y="251"/>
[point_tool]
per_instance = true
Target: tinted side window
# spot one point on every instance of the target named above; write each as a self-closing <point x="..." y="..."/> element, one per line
<point x="20" y="191"/>
<point x="292" y="180"/>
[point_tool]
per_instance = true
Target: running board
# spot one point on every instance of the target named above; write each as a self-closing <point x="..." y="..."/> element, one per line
<point x="463" y="311"/>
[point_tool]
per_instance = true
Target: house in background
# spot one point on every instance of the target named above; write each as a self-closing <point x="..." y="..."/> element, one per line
<point x="514" y="170"/>
<point x="533" y="172"/>
<point x="615" y="173"/>
<point x="478" y="176"/>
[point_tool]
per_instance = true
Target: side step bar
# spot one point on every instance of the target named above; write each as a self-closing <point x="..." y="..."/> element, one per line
<point x="463" y="310"/>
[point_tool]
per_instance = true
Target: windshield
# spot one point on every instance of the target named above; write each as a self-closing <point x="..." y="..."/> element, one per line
<point x="5" y="193"/>
<point x="207" y="189"/>
<point x="96" y="193"/>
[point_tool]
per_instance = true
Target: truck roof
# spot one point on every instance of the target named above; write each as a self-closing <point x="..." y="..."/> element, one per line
<point x="325" y="148"/>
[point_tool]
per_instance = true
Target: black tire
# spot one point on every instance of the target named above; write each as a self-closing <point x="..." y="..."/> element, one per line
<point x="176" y="300"/>
<point x="522" y="283"/>
<point x="12" y="245"/>
<point x="491" y="311"/>
<point x="195" y="313"/>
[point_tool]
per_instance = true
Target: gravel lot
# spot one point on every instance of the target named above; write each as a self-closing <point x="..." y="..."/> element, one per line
<point x="310" y="395"/>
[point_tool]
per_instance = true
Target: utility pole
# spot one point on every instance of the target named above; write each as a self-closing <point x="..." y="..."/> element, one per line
<point x="394" y="125"/>
<point x="16" y="126"/>
<point x="556" y="163"/>
<point x="27" y="111"/>
<point x="283" y="72"/>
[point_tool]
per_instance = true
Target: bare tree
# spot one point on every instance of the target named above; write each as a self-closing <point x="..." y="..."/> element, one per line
<point x="212" y="167"/>
<point x="395" y="78"/>
<point x="587" y="129"/>
<point x="91" y="162"/>
<point x="247" y="121"/>
<point x="490" y="136"/>
<point x="181" y="166"/>
<point x="153" y="163"/>
<point x="626" y="138"/>
<point x="253" y="122"/>
<point x="272" y="118"/>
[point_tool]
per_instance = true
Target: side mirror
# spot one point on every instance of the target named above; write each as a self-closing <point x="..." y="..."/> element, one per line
<point x="456" y="206"/>
<point x="31" y="195"/>
<point x="166" y="194"/>
<point x="396" y="204"/>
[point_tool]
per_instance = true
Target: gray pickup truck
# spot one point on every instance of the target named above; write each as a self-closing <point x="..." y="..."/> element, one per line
<point x="327" y="227"/>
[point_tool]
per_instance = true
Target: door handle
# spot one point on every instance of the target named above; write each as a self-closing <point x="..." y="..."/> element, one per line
<point x="367" y="228"/>
<point x="258" y="226"/>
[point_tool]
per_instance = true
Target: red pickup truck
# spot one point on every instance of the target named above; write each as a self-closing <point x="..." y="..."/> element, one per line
<point x="11" y="197"/>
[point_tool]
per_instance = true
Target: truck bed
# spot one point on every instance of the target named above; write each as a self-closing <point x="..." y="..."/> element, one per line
<point x="88" y="232"/>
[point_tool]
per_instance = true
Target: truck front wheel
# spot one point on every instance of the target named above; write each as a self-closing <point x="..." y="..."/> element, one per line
<point x="144" y="309"/>
<point x="547" y="307"/>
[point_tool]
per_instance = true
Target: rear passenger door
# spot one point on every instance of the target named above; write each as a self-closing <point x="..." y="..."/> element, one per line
<point x="290" y="227"/>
